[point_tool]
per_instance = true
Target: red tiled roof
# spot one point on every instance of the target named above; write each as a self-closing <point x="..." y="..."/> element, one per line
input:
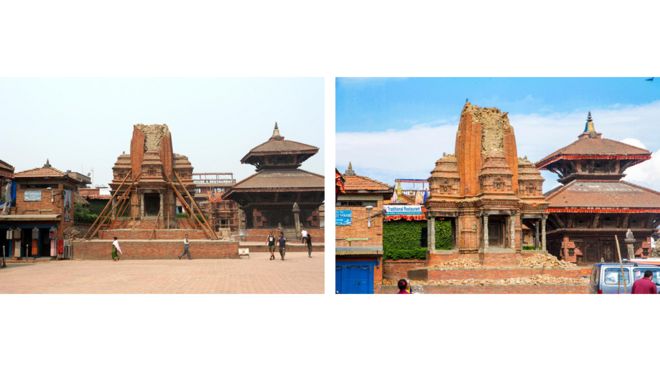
<point x="40" y="172"/>
<point x="357" y="183"/>
<point x="270" y="179"/>
<point x="595" y="147"/>
<point x="276" y="146"/>
<point x="48" y="171"/>
<point x="602" y="195"/>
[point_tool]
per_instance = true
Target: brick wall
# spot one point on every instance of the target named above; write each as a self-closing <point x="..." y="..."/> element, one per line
<point x="397" y="269"/>
<point x="146" y="234"/>
<point x="359" y="226"/>
<point x="497" y="289"/>
<point x="45" y="205"/>
<point x="496" y="273"/>
<point x="154" y="249"/>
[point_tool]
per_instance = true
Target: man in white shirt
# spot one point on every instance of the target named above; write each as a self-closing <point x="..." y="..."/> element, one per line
<point x="303" y="236"/>
<point x="116" y="249"/>
<point x="186" y="248"/>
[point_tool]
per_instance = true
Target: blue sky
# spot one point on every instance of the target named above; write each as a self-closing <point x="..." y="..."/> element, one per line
<point x="376" y="104"/>
<point x="398" y="128"/>
<point x="83" y="124"/>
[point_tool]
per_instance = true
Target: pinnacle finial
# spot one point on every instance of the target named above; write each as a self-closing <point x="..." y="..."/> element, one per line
<point x="589" y="126"/>
<point x="349" y="171"/>
<point x="276" y="132"/>
<point x="47" y="164"/>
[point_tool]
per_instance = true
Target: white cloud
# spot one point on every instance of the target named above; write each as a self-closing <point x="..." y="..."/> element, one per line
<point x="412" y="152"/>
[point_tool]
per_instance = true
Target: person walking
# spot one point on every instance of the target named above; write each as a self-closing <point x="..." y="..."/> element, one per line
<point x="303" y="236"/>
<point x="282" y="244"/>
<point x="309" y="245"/>
<point x="186" y="247"/>
<point x="645" y="285"/>
<point x="271" y="245"/>
<point x="116" y="249"/>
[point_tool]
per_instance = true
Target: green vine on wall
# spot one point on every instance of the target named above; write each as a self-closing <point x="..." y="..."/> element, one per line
<point x="407" y="240"/>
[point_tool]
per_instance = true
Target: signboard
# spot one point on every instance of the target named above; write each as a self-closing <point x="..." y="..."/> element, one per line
<point x="403" y="209"/>
<point x="32" y="196"/>
<point x="343" y="217"/>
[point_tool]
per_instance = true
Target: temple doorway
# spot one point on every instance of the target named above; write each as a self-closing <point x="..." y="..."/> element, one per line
<point x="151" y="204"/>
<point x="496" y="231"/>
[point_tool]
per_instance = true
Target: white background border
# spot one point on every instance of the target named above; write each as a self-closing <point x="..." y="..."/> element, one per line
<point x="338" y="38"/>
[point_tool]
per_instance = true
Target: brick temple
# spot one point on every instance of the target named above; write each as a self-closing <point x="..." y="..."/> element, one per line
<point x="484" y="189"/>
<point x="593" y="202"/>
<point x="280" y="195"/>
<point x="150" y="185"/>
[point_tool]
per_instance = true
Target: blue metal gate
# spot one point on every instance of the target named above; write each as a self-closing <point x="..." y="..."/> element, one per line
<point x="355" y="277"/>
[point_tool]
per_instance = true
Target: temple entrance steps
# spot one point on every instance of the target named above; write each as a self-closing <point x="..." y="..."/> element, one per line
<point x="151" y="234"/>
<point x="260" y="246"/>
<point x="154" y="249"/>
<point x="260" y="234"/>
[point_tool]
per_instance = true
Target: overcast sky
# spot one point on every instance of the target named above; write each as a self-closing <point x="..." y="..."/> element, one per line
<point x="83" y="124"/>
<point x="398" y="128"/>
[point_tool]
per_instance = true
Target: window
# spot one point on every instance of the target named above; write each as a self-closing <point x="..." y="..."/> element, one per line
<point x="613" y="276"/>
<point x="639" y="273"/>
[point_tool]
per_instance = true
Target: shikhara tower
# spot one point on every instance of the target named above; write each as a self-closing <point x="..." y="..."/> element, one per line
<point x="485" y="190"/>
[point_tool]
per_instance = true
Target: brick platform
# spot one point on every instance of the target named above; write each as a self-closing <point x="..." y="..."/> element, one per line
<point x="154" y="249"/>
<point x="261" y="234"/>
<point x="496" y="289"/>
<point x="293" y="247"/>
<point x="496" y="273"/>
<point x="153" y="234"/>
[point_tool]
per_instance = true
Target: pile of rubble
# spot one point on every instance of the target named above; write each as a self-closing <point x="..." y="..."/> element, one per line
<point x="464" y="263"/>
<point x="544" y="261"/>
<point x="536" y="280"/>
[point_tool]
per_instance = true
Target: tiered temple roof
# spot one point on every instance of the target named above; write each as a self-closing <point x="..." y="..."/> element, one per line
<point x="277" y="161"/>
<point x="591" y="169"/>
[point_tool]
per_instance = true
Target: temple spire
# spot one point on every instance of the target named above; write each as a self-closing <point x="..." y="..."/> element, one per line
<point x="349" y="171"/>
<point x="276" y="133"/>
<point x="589" y="125"/>
<point x="590" y="128"/>
<point x="47" y="164"/>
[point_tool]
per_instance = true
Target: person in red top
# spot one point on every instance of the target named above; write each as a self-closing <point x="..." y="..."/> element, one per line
<point x="645" y="285"/>
<point x="403" y="286"/>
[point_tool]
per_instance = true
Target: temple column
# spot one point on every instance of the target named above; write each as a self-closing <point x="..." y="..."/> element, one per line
<point x="142" y="205"/>
<point x="512" y="226"/>
<point x="430" y="233"/>
<point x="543" y="242"/>
<point x="296" y="218"/>
<point x="485" y="231"/>
<point x="536" y="235"/>
<point x="161" y="212"/>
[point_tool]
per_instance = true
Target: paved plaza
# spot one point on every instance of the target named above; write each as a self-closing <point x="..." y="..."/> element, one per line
<point x="298" y="274"/>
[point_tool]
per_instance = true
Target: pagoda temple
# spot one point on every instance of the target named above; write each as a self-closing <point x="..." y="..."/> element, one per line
<point x="279" y="194"/>
<point x="484" y="189"/>
<point x="593" y="203"/>
<point x="147" y="184"/>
